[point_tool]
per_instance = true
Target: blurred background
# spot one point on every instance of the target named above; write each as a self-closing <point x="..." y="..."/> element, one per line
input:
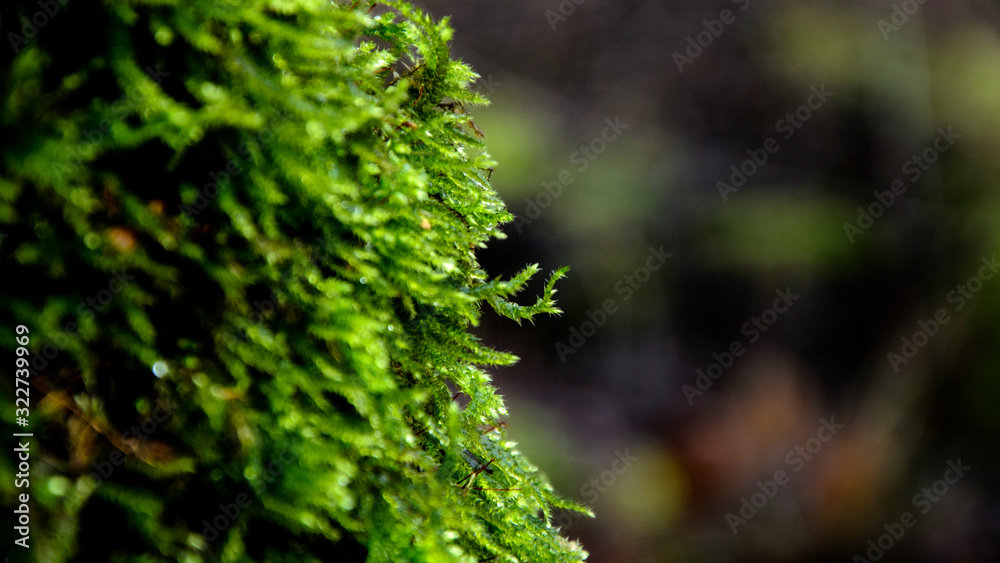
<point x="823" y="177"/>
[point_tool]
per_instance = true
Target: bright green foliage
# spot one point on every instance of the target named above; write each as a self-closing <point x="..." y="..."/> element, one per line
<point x="275" y="206"/>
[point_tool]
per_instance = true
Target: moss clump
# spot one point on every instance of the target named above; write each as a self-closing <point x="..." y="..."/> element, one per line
<point x="242" y="235"/>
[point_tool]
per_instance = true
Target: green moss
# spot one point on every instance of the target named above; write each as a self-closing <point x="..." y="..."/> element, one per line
<point x="277" y="205"/>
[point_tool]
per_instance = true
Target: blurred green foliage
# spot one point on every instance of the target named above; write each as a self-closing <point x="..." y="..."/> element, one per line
<point x="784" y="228"/>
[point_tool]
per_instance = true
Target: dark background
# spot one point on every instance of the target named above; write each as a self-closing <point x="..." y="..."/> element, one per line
<point x="553" y="82"/>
